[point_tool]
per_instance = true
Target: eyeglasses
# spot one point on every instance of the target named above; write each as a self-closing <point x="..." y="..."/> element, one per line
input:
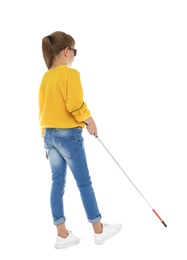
<point x="75" y="51"/>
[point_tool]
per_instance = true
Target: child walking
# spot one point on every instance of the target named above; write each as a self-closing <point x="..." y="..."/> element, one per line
<point x="63" y="114"/>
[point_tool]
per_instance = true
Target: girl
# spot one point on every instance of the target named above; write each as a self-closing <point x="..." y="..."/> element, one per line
<point x="63" y="115"/>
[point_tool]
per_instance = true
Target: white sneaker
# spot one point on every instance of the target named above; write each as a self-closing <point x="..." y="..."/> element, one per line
<point x="70" y="240"/>
<point x="108" y="232"/>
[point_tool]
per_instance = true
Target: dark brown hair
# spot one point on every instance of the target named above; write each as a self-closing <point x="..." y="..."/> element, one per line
<point x="53" y="44"/>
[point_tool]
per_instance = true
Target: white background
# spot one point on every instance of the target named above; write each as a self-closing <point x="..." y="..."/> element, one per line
<point x="132" y="57"/>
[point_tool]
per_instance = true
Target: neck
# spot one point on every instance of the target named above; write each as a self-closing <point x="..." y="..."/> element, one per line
<point x="58" y="62"/>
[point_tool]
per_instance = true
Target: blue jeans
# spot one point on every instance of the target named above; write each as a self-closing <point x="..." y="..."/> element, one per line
<point x="65" y="147"/>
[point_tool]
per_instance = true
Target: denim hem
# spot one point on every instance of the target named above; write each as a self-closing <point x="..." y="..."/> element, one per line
<point x="59" y="221"/>
<point x="94" y="220"/>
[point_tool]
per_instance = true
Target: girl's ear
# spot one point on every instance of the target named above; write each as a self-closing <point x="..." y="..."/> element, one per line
<point x="66" y="51"/>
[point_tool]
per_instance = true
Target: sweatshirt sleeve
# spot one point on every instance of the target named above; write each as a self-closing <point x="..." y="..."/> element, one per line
<point x="75" y="103"/>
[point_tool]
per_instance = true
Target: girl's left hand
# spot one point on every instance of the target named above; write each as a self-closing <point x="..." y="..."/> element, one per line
<point x="46" y="154"/>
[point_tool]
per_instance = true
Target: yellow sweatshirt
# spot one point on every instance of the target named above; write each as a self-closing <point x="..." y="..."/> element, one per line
<point x="61" y="102"/>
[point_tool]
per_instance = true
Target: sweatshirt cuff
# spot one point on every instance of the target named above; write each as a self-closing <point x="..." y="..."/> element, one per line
<point x="82" y="113"/>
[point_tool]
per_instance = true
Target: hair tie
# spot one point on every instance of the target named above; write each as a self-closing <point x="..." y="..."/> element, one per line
<point x="49" y="37"/>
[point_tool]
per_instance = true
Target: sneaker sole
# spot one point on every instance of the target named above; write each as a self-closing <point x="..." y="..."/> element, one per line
<point x="67" y="244"/>
<point x="107" y="237"/>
